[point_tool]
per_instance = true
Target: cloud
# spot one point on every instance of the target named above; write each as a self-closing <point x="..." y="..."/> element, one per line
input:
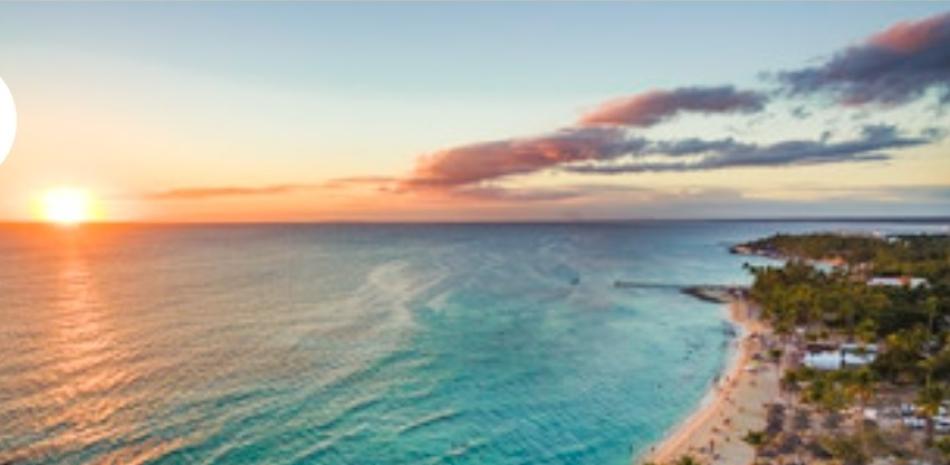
<point x="212" y="192"/>
<point x="800" y="112"/>
<point x="471" y="164"/>
<point x="197" y="193"/>
<point x="654" y="107"/>
<point x="380" y="182"/>
<point x="703" y="154"/>
<point x="920" y="194"/>
<point x="501" y="194"/>
<point x="612" y="150"/>
<point x="543" y="194"/>
<point x="893" y="67"/>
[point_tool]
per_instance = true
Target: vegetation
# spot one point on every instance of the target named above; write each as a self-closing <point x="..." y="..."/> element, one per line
<point x="831" y="391"/>
<point x="683" y="460"/>
<point x="687" y="460"/>
<point x="913" y="323"/>
<point x="943" y="446"/>
<point x="809" y="302"/>
<point x="929" y="399"/>
<point x="847" y="449"/>
<point x="755" y="438"/>
<point x="800" y="295"/>
<point x="918" y="255"/>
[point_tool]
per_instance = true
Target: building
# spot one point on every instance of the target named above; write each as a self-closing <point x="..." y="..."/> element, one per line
<point x="898" y="281"/>
<point x="845" y="356"/>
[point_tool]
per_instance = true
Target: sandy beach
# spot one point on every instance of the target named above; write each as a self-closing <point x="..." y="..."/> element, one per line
<point x="736" y="404"/>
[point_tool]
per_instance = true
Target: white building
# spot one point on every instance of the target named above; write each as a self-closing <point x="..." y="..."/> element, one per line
<point x="846" y="356"/>
<point x="898" y="281"/>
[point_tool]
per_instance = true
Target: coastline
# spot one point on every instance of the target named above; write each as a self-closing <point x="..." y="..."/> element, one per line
<point x="735" y="404"/>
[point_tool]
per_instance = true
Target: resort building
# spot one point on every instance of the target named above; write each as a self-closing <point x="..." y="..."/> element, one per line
<point x="845" y="356"/>
<point x="898" y="281"/>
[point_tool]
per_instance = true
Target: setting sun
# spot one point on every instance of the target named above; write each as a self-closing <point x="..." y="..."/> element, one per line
<point x="67" y="206"/>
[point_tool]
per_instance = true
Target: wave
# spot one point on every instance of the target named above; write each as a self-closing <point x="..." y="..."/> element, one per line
<point x="428" y="421"/>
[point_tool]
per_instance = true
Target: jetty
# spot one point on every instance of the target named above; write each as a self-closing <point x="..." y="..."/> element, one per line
<point x="716" y="293"/>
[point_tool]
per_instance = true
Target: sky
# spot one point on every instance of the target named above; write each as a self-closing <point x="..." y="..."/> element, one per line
<point x="478" y="112"/>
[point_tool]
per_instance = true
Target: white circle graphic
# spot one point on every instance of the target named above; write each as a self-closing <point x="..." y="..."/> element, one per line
<point x="7" y="121"/>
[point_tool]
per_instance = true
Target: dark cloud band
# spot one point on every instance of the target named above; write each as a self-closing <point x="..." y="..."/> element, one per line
<point x="654" y="107"/>
<point x="613" y="151"/>
<point x="871" y="145"/>
<point x="895" y="66"/>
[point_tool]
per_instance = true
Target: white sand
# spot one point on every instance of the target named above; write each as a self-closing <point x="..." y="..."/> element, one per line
<point x="713" y="433"/>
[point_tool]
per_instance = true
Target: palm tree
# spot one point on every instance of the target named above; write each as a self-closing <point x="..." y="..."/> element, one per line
<point x="867" y="331"/>
<point x="861" y="386"/>
<point x="848" y="312"/>
<point x="756" y="439"/>
<point x="790" y="384"/>
<point x="929" y="399"/>
<point x="687" y="460"/>
<point x="905" y="350"/>
<point x="930" y="305"/>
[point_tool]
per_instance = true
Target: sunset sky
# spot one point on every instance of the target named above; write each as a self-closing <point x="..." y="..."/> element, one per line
<point x="412" y="112"/>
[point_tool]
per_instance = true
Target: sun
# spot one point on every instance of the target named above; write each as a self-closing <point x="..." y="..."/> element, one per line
<point x="67" y="206"/>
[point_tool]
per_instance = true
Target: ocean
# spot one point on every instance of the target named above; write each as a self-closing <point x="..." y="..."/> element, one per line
<point x="361" y="344"/>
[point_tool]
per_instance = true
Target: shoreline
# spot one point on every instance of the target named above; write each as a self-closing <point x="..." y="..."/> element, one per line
<point x="734" y="404"/>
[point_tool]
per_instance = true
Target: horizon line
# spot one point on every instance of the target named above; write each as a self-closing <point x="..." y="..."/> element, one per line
<point x="793" y="219"/>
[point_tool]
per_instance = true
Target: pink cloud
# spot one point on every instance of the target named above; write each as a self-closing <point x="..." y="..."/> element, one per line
<point x="474" y="163"/>
<point x="653" y="107"/>
<point x="893" y="67"/>
<point x="909" y="36"/>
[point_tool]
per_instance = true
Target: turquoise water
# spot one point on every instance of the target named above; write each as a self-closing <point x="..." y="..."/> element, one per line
<point x="348" y="344"/>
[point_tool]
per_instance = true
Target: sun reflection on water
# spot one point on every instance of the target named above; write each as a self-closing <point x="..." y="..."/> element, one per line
<point x="78" y="395"/>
